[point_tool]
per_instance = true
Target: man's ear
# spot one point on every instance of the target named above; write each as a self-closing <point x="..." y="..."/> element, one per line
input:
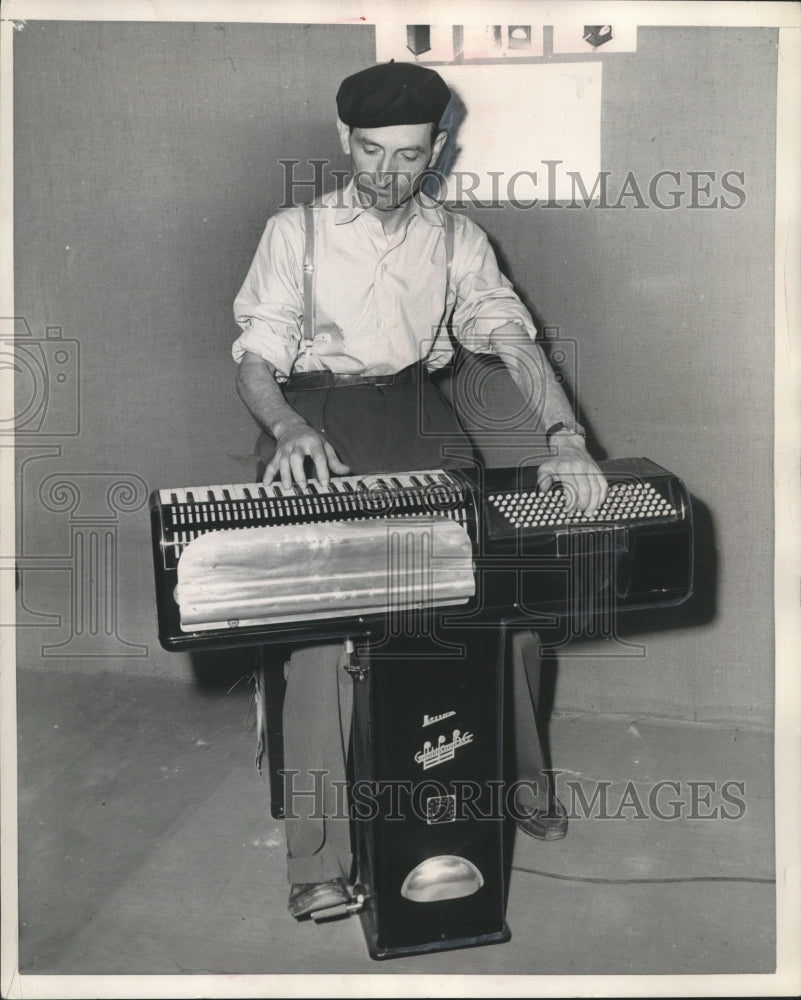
<point x="344" y="136"/>
<point x="436" y="149"/>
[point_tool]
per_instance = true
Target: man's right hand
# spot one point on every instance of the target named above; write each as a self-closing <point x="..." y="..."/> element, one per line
<point x="293" y="445"/>
<point x="295" y="440"/>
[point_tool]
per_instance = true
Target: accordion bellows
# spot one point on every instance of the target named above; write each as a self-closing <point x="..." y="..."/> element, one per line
<point x="312" y="571"/>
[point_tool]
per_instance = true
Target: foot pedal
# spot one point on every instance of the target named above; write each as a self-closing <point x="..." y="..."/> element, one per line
<point x="358" y="899"/>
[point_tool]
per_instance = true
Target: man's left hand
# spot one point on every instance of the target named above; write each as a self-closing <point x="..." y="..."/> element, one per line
<point x="583" y="482"/>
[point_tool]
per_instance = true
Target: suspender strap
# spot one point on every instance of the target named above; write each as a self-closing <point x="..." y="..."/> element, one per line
<point x="308" y="277"/>
<point x="449" y="231"/>
<point x="449" y="237"/>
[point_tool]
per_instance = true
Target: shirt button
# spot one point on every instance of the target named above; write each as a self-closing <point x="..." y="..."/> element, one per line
<point x="383" y="267"/>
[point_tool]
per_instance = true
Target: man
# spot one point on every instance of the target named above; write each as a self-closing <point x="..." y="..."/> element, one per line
<point x="341" y="324"/>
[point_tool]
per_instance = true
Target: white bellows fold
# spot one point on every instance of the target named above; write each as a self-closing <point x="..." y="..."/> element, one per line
<point x="334" y="569"/>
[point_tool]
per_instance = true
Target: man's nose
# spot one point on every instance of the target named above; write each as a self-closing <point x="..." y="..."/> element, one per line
<point x="383" y="172"/>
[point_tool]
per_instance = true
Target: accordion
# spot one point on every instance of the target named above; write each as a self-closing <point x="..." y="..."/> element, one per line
<point x="251" y="564"/>
<point x="403" y="563"/>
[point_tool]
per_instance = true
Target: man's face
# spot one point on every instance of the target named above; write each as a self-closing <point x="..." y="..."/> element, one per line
<point x="389" y="162"/>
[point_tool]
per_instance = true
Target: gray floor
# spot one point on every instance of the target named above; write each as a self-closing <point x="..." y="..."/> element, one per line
<point x="146" y="846"/>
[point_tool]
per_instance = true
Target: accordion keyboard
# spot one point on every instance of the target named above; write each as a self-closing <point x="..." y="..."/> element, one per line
<point x="190" y="512"/>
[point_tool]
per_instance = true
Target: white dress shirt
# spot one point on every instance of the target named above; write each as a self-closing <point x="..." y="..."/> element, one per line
<point x="380" y="302"/>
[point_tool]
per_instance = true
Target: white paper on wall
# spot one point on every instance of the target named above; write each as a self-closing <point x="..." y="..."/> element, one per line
<point x="517" y="117"/>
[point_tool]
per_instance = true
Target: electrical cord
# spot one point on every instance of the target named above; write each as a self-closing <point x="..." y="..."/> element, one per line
<point x="644" y="881"/>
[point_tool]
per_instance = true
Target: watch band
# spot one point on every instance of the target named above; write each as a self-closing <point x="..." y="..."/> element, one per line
<point x="565" y="425"/>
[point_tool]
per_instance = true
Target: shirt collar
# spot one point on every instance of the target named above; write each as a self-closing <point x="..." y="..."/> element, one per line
<point x="347" y="207"/>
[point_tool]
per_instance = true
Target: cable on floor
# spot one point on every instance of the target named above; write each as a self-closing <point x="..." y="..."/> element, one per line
<point x="645" y="881"/>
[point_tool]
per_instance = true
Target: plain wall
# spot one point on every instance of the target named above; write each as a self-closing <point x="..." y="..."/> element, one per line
<point x="146" y="164"/>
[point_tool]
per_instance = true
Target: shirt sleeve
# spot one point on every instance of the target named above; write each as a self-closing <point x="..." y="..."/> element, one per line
<point x="269" y="306"/>
<point x="485" y="299"/>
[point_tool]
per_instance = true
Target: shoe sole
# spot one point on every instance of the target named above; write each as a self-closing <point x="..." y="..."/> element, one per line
<point x="305" y="910"/>
<point x="544" y="833"/>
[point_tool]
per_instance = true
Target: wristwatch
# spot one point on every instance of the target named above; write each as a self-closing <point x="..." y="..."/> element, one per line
<point x="565" y="425"/>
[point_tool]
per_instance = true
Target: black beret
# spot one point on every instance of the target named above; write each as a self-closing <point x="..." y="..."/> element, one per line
<point x="392" y="94"/>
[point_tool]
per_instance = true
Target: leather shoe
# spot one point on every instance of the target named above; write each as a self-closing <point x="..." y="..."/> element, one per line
<point x="545" y="825"/>
<point x="306" y="897"/>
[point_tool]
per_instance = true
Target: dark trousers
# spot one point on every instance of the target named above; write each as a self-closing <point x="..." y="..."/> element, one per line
<point x="402" y="426"/>
<point x="398" y="427"/>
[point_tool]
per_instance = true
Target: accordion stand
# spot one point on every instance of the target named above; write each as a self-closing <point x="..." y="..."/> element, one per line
<point x="426" y="804"/>
<point x="426" y="781"/>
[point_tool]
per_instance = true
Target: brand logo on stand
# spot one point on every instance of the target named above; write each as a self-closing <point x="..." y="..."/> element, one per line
<point x="429" y="720"/>
<point x="431" y="755"/>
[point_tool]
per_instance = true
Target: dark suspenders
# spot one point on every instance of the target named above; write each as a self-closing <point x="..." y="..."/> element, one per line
<point x="308" y="269"/>
<point x="449" y="236"/>
<point x="308" y="277"/>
